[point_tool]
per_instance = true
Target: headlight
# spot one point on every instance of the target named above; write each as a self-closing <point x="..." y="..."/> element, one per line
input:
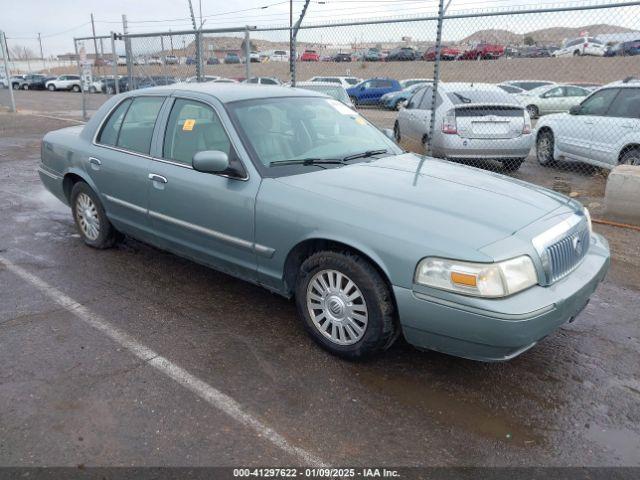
<point x="478" y="279"/>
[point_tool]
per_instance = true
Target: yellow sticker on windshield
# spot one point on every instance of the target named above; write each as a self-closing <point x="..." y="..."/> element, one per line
<point x="361" y="121"/>
<point x="188" y="125"/>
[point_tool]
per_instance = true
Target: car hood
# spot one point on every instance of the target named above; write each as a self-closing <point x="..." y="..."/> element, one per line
<point x="424" y="196"/>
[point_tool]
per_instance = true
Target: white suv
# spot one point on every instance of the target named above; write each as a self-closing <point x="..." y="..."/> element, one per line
<point x="64" y="82"/>
<point x="581" y="46"/>
<point x="604" y="130"/>
<point x="346" y="82"/>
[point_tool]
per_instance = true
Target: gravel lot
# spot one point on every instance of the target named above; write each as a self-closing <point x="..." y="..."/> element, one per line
<point x="70" y="394"/>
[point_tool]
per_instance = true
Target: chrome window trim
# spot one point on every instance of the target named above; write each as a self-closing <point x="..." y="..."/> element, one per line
<point x="95" y="142"/>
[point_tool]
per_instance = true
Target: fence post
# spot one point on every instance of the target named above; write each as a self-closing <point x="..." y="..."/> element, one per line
<point x="4" y="51"/>
<point x="436" y="74"/>
<point x="247" y="51"/>
<point x="163" y="59"/>
<point x="292" y="44"/>
<point x="80" y="72"/>
<point x="128" y="53"/>
<point x="114" y="57"/>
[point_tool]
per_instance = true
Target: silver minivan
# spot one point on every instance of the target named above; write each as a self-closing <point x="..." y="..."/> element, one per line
<point x="472" y="121"/>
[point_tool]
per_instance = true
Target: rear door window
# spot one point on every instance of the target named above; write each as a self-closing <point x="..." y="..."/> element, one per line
<point x="599" y="102"/>
<point x="626" y="104"/>
<point x="137" y="128"/>
<point x="110" y="130"/>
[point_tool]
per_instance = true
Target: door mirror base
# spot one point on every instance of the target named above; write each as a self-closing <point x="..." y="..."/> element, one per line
<point x="575" y="110"/>
<point x="211" y="161"/>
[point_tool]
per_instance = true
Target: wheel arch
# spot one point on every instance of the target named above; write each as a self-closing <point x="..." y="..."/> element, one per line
<point x="305" y="248"/>
<point x="627" y="148"/>
<point x="72" y="177"/>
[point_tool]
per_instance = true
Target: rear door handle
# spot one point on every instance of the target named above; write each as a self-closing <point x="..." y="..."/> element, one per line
<point x="94" y="163"/>
<point x="157" y="178"/>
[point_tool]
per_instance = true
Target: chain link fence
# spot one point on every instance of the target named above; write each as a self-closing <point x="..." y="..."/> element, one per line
<point x="545" y="93"/>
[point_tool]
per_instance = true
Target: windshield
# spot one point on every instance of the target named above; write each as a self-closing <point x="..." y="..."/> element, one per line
<point x="296" y="128"/>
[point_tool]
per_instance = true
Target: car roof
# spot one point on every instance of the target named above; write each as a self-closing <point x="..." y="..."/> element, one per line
<point x="233" y="92"/>
<point x="452" y="86"/>
<point x="318" y="84"/>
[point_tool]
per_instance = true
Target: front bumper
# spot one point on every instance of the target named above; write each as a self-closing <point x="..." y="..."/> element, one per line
<point x="454" y="146"/>
<point x="498" y="329"/>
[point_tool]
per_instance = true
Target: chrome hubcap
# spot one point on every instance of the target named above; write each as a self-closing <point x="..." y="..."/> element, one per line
<point x="544" y="149"/>
<point x="87" y="215"/>
<point x="337" y="307"/>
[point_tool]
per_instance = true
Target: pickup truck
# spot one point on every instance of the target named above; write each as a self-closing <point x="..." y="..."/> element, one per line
<point x="483" y="51"/>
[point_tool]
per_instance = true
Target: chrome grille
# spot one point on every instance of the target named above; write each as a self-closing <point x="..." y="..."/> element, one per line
<point x="565" y="255"/>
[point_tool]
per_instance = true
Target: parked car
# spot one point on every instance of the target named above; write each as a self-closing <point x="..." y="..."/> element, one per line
<point x="581" y="46"/>
<point x="4" y="83"/>
<point x="341" y="57"/>
<point x="446" y="53"/>
<point x="551" y="99"/>
<point x="171" y="60"/>
<point x="587" y="85"/>
<point x="232" y="58"/>
<point x="263" y="81"/>
<point x="275" y="55"/>
<point x="401" y="54"/>
<point x="16" y="81"/>
<point x="254" y="57"/>
<point x="155" y="61"/>
<point x="191" y="61"/>
<point x="213" y="61"/>
<point x="395" y="100"/>
<point x="369" y="91"/>
<point x="122" y="60"/>
<point x="109" y="85"/>
<point x="33" y="81"/>
<point x="225" y="80"/>
<point x="624" y="49"/>
<point x="483" y="51"/>
<point x="346" y="82"/>
<point x="473" y="120"/>
<point x="309" y="56"/>
<point x="534" y="52"/>
<point x="453" y="258"/>
<point x="331" y="89"/>
<point x="407" y="82"/>
<point x="372" y="55"/>
<point x="603" y="130"/>
<point x="528" y="85"/>
<point x="64" y="82"/>
<point x="204" y="78"/>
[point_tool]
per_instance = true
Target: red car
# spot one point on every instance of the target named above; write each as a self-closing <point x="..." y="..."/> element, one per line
<point x="309" y="56"/>
<point x="446" y="53"/>
<point x="483" y="51"/>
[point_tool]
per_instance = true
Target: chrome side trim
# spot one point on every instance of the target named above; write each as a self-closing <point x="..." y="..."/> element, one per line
<point x="122" y="203"/>
<point x="49" y="174"/>
<point x="235" y="241"/>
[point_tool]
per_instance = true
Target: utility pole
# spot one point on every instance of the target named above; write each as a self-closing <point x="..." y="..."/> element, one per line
<point x="198" y="40"/>
<point x="95" y="41"/>
<point x="436" y="72"/>
<point x="44" y="66"/>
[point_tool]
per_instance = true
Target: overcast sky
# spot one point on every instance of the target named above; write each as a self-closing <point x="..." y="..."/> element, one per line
<point x="59" y="22"/>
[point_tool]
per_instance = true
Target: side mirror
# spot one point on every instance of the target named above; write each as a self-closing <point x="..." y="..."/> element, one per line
<point x="210" y="161"/>
<point x="388" y="133"/>
<point x="575" y="110"/>
<point x="362" y="88"/>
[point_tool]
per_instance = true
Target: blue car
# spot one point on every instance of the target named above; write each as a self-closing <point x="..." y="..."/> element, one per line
<point x="370" y="91"/>
<point x="393" y="100"/>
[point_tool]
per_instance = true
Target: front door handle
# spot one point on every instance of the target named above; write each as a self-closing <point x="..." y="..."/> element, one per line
<point x="94" y="163"/>
<point x="157" y="178"/>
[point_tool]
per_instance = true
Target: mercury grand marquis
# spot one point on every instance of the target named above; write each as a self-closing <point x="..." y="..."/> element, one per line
<point x="298" y="193"/>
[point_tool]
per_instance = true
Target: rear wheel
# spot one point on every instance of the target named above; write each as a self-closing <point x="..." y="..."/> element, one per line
<point x="512" y="164"/>
<point x="76" y="88"/>
<point x="544" y="148"/>
<point x="576" y="53"/>
<point x="631" y="157"/>
<point x="345" y="304"/>
<point x="51" y="88"/>
<point x="533" y="111"/>
<point x="92" y="222"/>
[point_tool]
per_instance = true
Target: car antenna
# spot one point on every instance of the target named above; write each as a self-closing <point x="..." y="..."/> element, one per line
<point x="628" y="79"/>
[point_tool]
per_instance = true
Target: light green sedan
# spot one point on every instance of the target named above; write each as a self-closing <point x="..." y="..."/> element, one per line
<point x="551" y="99"/>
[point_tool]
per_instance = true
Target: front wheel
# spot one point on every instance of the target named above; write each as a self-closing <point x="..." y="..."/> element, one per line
<point x="354" y="100"/>
<point x="25" y="87"/>
<point x="51" y="88"/>
<point x="396" y="131"/>
<point x="631" y="157"/>
<point x="533" y="111"/>
<point x="92" y="222"/>
<point x="544" y="148"/>
<point x="345" y="304"/>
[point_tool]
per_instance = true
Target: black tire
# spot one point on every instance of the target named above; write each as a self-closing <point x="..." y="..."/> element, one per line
<point x="512" y="164"/>
<point x="76" y="89"/>
<point x="577" y="53"/>
<point x="51" y="88"/>
<point x="381" y="328"/>
<point x="533" y="111"/>
<point x="111" y="90"/>
<point x="354" y="100"/>
<point x="25" y="87"/>
<point x="631" y="157"/>
<point x="107" y="234"/>
<point x="396" y="131"/>
<point x="545" y="147"/>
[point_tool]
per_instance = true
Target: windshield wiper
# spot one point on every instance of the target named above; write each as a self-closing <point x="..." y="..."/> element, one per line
<point x="367" y="154"/>
<point x="462" y="98"/>
<point x="307" y="161"/>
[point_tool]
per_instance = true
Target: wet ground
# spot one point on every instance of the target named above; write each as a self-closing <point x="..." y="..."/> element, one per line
<point x="71" y="393"/>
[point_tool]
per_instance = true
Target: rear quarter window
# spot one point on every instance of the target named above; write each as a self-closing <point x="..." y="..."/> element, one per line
<point x="109" y="133"/>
